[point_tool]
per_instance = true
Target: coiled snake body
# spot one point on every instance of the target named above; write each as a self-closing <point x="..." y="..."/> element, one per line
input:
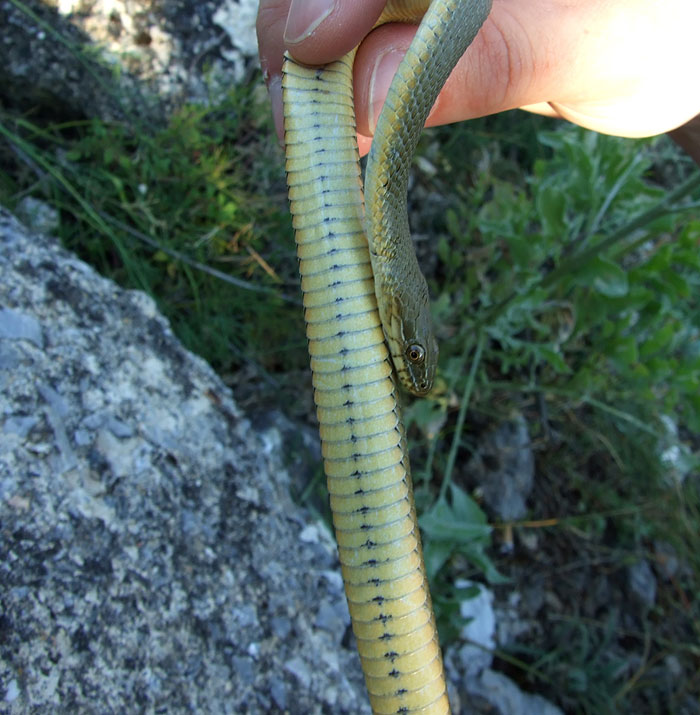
<point x="355" y="296"/>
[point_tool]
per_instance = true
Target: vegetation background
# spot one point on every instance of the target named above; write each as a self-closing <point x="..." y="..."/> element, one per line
<point x="565" y="271"/>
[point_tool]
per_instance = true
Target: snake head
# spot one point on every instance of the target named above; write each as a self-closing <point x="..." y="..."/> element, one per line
<point x="413" y="347"/>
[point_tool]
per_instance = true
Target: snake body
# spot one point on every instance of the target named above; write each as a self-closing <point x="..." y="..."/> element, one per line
<point x="356" y="396"/>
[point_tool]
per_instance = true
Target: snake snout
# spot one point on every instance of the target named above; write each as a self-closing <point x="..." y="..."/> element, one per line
<point x="423" y="388"/>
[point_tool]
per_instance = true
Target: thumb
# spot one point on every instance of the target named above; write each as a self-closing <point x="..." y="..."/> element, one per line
<point x="591" y="61"/>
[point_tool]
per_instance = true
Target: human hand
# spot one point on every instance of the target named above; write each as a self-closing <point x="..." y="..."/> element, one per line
<point x="624" y="67"/>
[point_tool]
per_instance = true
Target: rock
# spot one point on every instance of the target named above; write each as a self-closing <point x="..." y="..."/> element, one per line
<point x="151" y="558"/>
<point x="676" y="456"/>
<point x="237" y="19"/>
<point x="666" y="560"/>
<point x="505" y="698"/>
<point x="334" y="617"/>
<point x="479" y="633"/>
<point x="481" y="689"/>
<point x="17" y="325"/>
<point x="44" y="64"/>
<point x="113" y="59"/>
<point x="510" y="623"/>
<point x="641" y="583"/>
<point x="504" y="468"/>
<point x="37" y="215"/>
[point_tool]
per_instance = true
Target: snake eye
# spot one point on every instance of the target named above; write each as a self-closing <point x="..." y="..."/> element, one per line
<point x="415" y="353"/>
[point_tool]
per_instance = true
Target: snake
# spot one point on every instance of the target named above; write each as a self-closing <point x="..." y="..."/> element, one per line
<point x="369" y="330"/>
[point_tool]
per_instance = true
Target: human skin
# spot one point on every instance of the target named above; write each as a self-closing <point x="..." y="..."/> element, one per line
<point x="623" y="67"/>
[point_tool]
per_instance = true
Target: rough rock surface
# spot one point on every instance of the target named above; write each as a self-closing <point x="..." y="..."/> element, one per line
<point x="504" y="468"/>
<point x="151" y="559"/>
<point x="45" y="67"/>
<point x="60" y="55"/>
<point x="470" y="664"/>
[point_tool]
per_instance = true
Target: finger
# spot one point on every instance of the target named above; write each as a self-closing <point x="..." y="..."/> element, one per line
<point x="502" y="69"/>
<point x="320" y="31"/>
<point x="272" y="17"/>
<point x="363" y="144"/>
<point x="542" y="108"/>
<point x="271" y="20"/>
<point x="590" y="60"/>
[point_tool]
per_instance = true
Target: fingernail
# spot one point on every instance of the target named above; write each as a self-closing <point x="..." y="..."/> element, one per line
<point x="304" y="17"/>
<point x="384" y="70"/>
<point x="274" y="89"/>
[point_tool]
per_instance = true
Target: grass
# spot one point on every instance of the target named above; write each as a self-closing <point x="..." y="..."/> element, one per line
<point x="192" y="212"/>
<point x="565" y="268"/>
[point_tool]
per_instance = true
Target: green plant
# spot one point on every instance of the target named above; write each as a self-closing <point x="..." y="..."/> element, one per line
<point x="584" y="668"/>
<point x="181" y="211"/>
<point x="583" y="278"/>
<point x="568" y="291"/>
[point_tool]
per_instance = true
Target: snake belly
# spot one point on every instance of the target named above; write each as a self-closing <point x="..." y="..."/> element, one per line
<point x="356" y="395"/>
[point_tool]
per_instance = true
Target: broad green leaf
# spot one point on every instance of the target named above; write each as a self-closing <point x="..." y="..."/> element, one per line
<point x="520" y="250"/>
<point x="610" y="279"/>
<point x="661" y="260"/>
<point x="435" y="554"/>
<point x="660" y="340"/>
<point x="678" y="282"/>
<point x="464" y="507"/>
<point x="476" y="554"/>
<point x="554" y="358"/>
<point x="606" y="277"/>
<point x="442" y="523"/>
